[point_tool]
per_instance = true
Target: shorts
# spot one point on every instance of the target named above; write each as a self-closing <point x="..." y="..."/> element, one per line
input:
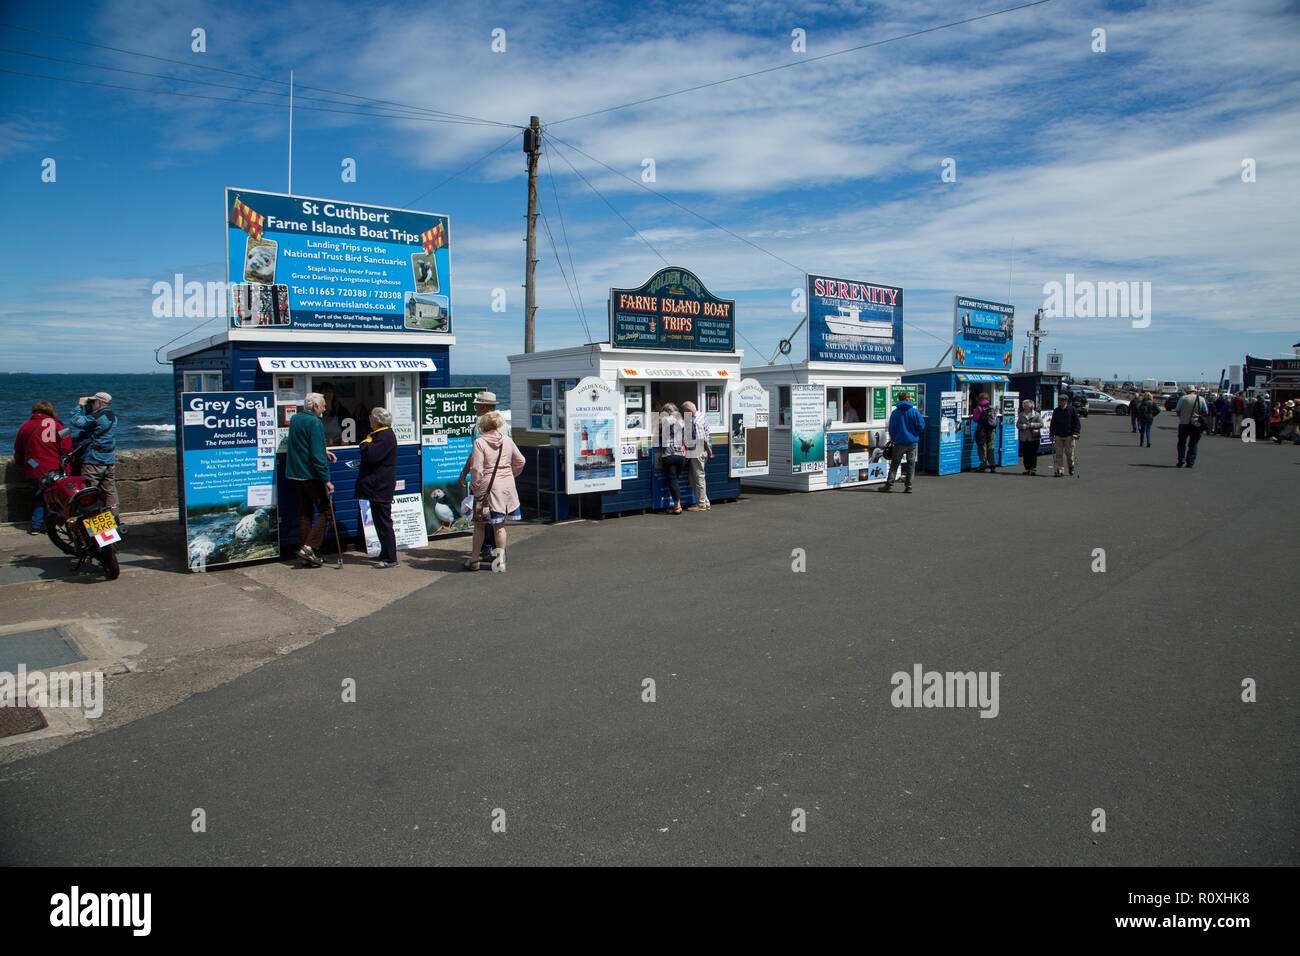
<point x="500" y="517"/>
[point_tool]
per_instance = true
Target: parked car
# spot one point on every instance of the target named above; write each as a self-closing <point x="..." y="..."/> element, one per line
<point x="1098" y="401"/>
<point x="1171" y="403"/>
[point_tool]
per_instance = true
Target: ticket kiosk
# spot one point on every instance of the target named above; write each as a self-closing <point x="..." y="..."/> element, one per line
<point x="671" y="340"/>
<point x="321" y="297"/>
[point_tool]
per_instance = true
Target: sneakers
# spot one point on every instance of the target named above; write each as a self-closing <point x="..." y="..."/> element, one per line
<point x="885" y="488"/>
<point x="309" y="558"/>
<point x="1148" y="444"/>
<point x="907" y="489"/>
<point x="1179" y="465"/>
<point x="695" y="508"/>
<point x="378" y="565"/>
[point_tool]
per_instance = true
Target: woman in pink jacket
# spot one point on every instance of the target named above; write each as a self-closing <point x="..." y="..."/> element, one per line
<point x="494" y="462"/>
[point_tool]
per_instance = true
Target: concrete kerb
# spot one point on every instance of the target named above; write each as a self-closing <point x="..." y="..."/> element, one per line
<point x="161" y="633"/>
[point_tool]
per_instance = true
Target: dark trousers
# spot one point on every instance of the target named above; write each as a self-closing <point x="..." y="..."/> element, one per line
<point x="382" y="513"/>
<point x="672" y="465"/>
<point x="895" y="457"/>
<point x="986" y="447"/>
<point x="1133" y="420"/>
<point x="311" y="496"/>
<point x="1189" y="436"/>
<point x="1029" y="454"/>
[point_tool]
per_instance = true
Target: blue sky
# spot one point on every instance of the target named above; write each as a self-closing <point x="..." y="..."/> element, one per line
<point x="1117" y="166"/>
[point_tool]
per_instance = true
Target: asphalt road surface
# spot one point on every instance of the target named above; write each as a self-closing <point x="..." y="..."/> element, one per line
<point x="519" y="697"/>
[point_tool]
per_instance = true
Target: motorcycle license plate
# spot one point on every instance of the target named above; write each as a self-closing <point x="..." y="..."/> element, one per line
<point x="103" y="527"/>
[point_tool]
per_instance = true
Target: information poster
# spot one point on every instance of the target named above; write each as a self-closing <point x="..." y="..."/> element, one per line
<point x="854" y="321"/>
<point x="982" y="333"/>
<point x="409" y="529"/>
<point x="950" y="433"/>
<point x="300" y="263"/>
<point x="749" y="411"/>
<point x="915" y="389"/>
<point x="879" y="404"/>
<point x="1010" y="434"/>
<point x="837" y="458"/>
<point x="228" y="455"/>
<point x="592" y="442"/>
<point x="807" y="429"/>
<point x="446" y="439"/>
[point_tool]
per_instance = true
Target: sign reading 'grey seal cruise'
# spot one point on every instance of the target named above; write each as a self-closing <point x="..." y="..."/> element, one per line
<point x="672" y="310"/>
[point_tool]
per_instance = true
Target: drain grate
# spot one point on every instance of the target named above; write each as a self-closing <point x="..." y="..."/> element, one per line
<point x="43" y="647"/>
<point x="21" y="720"/>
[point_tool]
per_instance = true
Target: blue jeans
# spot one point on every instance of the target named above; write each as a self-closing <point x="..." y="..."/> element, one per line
<point x="38" y="509"/>
<point x="1144" y="431"/>
<point x="1189" y="436"/>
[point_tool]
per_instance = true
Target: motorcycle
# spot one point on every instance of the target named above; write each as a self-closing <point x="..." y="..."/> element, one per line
<point x="77" y="520"/>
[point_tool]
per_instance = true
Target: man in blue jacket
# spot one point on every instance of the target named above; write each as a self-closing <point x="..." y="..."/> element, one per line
<point x="905" y="429"/>
<point x="94" y="425"/>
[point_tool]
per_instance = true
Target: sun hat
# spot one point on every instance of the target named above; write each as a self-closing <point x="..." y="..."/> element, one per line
<point x="485" y="398"/>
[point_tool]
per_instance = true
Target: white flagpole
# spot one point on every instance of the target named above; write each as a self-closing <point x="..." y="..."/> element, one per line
<point x="290" y="189"/>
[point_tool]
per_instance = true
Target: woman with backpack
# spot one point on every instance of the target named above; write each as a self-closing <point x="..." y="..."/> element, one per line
<point x="1147" y="410"/>
<point x="986" y="425"/>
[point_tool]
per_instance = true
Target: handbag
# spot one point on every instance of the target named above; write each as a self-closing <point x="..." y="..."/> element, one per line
<point x="483" y="508"/>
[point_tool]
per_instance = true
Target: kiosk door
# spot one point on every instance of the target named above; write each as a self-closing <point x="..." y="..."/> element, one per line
<point x="662" y="392"/>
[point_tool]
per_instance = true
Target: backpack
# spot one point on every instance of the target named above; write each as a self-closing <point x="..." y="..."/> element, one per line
<point x="989" y="419"/>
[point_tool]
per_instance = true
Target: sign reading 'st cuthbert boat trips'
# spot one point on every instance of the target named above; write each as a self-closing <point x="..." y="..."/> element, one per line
<point x="672" y="310"/>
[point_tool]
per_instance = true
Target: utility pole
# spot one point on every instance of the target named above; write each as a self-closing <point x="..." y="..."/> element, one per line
<point x="1038" y="318"/>
<point x="532" y="146"/>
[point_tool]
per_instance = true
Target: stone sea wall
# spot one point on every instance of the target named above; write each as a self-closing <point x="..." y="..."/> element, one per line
<point x="146" y="481"/>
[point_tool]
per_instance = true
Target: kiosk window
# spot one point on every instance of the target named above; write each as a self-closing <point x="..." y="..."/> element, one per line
<point x="562" y="387"/>
<point x="202" y="381"/>
<point x="349" y="399"/>
<point x="833" y="404"/>
<point x="783" y="405"/>
<point x="855" y="407"/>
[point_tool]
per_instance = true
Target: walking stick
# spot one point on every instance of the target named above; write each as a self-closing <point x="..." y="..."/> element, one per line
<point x="334" y="521"/>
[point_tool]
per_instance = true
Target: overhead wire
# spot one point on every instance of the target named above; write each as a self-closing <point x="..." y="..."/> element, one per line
<point x="802" y="61"/>
<point x="635" y="231"/>
<point x="564" y="232"/>
<point x="250" y="76"/>
<point x="706" y="219"/>
<point x="460" y="172"/>
<point x="411" y="112"/>
<point x="559" y="262"/>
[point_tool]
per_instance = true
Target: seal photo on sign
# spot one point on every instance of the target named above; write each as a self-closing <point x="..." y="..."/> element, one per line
<point x="259" y="260"/>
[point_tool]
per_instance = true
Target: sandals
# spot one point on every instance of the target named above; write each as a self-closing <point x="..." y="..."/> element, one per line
<point x="471" y="564"/>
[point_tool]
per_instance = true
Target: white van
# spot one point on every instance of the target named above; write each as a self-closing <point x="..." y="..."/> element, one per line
<point x="1169" y="388"/>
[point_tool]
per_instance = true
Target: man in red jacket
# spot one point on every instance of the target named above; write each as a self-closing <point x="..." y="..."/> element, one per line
<point x="38" y="448"/>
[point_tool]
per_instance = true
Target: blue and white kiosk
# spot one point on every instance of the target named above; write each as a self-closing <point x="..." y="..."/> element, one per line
<point x="670" y="340"/>
<point x="328" y="296"/>
<point x="983" y="333"/>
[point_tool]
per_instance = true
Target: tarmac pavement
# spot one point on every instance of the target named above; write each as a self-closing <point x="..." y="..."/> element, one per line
<point x="519" y="698"/>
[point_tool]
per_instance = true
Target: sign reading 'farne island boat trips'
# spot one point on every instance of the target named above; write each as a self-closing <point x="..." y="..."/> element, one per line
<point x="672" y="310"/>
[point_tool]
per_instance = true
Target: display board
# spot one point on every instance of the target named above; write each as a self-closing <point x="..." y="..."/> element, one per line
<point x="593" y="447"/>
<point x="409" y="529"/>
<point x="1010" y="446"/>
<point x="446" y="439"/>
<point x="854" y="321"/>
<point x="807" y="429"/>
<point x="673" y="310"/>
<point x="915" y="389"/>
<point x="748" y="416"/>
<point x="1054" y="363"/>
<point x="982" y="334"/>
<point x="950" y="432"/>
<point x="296" y="263"/>
<point x="228" y="457"/>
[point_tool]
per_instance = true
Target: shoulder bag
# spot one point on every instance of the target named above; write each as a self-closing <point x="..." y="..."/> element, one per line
<point x="483" y="507"/>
